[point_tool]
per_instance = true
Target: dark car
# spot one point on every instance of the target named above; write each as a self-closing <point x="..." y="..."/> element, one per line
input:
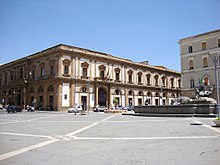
<point x="13" y="108"/>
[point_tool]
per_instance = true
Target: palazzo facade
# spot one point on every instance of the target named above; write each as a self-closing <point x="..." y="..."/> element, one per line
<point x="64" y="76"/>
<point x="198" y="54"/>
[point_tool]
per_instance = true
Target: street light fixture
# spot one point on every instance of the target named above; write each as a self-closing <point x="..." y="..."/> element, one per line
<point x="215" y="57"/>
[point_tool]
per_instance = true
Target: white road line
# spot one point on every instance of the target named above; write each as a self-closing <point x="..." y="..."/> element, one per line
<point x="39" y="118"/>
<point x="87" y="127"/>
<point x="27" y="135"/>
<point x="32" y="147"/>
<point x="9" y="122"/>
<point x="145" y="138"/>
<point x="212" y="128"/>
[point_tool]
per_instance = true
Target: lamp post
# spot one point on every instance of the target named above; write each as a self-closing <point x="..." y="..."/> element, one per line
<point x="215" y="56"/>
<point x="87" y="84"/>
<point x="25" y="82"/>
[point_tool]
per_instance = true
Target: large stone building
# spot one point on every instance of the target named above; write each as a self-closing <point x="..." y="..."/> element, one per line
<point x="197" y="54"/>
<point x="63" y="76"/>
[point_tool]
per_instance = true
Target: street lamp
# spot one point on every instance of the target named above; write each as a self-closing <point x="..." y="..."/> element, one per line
<point x="87" y="85"/>
<point x="215" y="56"/>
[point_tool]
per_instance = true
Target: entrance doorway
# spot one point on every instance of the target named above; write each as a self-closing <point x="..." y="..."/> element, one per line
<point x="102" y="97"/>
<point x="84" y="102"/>
<point x="41" y="103"/>
<point x="130" y="101"/>
<point x="51" y="103"/>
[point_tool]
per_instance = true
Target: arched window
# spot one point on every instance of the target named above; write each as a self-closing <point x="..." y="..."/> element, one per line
<point x="191" y="64"/>
<point x="130" y="92"/>
<point x="192" y="83"/>
<point x="102" y="69"/>
<point x="164" y="94"/>
<point x="157" y="94"/>
<point x="40" y="89"/>
<point x="130" y="73"/>
<point x="32" y="90"/>
<point x="149" y="94"/>
<point x="156" y="80"/>
<point x="139" y="77"/>
<point x="179" y="83"/>
<point x="84" y="89"/>
<point x="50" y="88"/>
<point x="117" y="92"/>
<point x="117" y="74"/>
<point x="148" y="79"/>
<point x="140" y="93"/>
<point x="205" y="62"/>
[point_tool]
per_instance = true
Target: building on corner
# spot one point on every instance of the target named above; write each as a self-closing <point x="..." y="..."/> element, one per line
<point x="63" y="76"/>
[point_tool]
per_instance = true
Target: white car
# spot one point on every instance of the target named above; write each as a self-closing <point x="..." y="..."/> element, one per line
<point x="75" y="109"/>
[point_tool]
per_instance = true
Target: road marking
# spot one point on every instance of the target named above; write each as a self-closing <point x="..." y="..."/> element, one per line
<point x="9" y="122"/>
<point x="20" y="134"/>
<point x="212" y="128"/>
<point x="145" y="138"/>
<point x="89" y="126"/>
<point x="32" y="147"/>
<point x="39" y="118"/>
<point x="52" y="139"/>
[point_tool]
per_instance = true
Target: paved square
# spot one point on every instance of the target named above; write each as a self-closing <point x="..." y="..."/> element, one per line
<point x="51" y="138"/>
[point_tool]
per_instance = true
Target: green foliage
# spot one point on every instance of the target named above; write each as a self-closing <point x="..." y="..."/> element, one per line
<point x="115" y="101"/>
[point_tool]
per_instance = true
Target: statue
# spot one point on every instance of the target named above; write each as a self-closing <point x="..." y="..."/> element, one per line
<point x="203" y="90"/>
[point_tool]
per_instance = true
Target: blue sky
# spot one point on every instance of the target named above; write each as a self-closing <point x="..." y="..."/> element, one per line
<point x="139" y="30"/>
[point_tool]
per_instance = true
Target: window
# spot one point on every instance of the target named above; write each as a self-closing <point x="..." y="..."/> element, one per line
<point x="66" y="69"/>
<point x="164" y="81"/>
<point x="139" y="77"/>
<point x="51" y="70"/>
<point x="21" y="73"/>
<point x="148" y="79"/>
<point x="204" y="46"/>
<point x="130" y="78"/>
<point x="130" y="92"/>
<point x="84" y="72"/>
<point x="191" y="64"/>
<point x="218" y="42"/>
<point x="117" y="76"/>
<point x="205" y="62"/>
<point x="84" y="67"/>
<point x="179" y="83"/>
<point x="102" y="74"/>
<point x="130" y="72"/>
<point x="190" y="49"/>
<point x="33" y="74"/>
<point x="117" y="92"/>
<point x="172" y="82"/>
<point x="192" y="84"/>
<point x="6" y="79"/>
<point x="42" y="72"/>
<point x="156" y="80"/>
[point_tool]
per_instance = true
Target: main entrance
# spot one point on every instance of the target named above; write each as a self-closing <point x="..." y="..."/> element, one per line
<point x="102" y="97"/>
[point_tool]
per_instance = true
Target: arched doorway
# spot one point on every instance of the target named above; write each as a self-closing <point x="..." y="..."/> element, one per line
<point x="102" y="97"/>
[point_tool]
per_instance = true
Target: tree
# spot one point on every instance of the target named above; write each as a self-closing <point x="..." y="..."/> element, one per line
<point x="115" y="102"/>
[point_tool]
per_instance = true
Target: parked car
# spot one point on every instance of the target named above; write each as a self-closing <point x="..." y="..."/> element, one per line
<point x="100" y="109"/>
<point x="120" y="107"/>
<point x="75" y="109"/>
<point x="1" y="106"/>
<point x="13" y="108"/>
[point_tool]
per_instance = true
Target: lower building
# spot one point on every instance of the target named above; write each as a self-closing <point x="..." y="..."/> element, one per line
<point x="199" y="53"/>
<point x="64" y="76"/>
